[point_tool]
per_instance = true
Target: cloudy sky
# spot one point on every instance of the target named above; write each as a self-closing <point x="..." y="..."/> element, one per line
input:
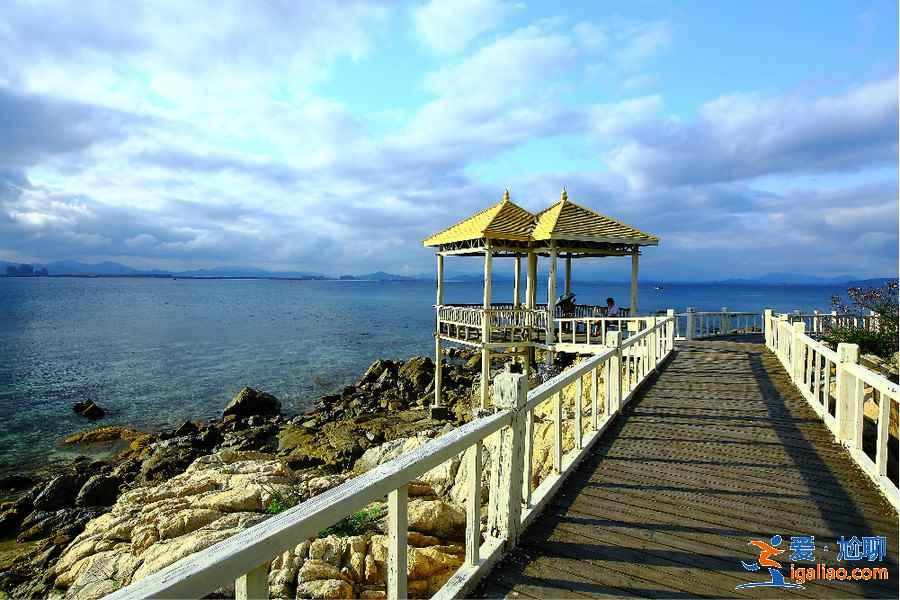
<point x="752" y="137"/>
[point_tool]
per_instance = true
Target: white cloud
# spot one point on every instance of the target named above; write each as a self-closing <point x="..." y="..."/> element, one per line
<point x="449" y="26"/>
<point x="742" y="136"/>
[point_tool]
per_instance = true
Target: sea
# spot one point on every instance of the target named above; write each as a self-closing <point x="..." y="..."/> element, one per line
<point x="157" y="352"/>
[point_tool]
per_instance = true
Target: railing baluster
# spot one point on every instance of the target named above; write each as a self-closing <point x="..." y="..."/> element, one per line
<point x="473" y="505"/>
<point x="529" y="458"/>
<point x="253" y="585"/>
<point x="884" y="419"/>
<point x="579" y="397"/>
<point x="557" y="428"/>
<point x="595" y="383"/>
<point x="397" y="532"/>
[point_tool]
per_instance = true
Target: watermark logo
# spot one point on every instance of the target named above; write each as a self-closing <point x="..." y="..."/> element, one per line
<point x="766" y="551"/>
<point x="803" y="549"/>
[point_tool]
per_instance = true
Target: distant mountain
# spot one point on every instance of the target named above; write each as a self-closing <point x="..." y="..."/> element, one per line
<point x="380" y="276"/>
<point x="73" y="267"/>
<point x="792" y="279"/>
<point x="244" y="271"/>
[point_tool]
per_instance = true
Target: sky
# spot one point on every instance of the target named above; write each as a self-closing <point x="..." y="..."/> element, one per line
<point x="333" y="137"/>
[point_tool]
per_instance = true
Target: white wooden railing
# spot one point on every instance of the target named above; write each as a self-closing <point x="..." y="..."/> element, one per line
<point x="513" y="503"/>
<point x="818" y="323"/>
<point x="694" y="325"/>
<point x="838" y="388"/>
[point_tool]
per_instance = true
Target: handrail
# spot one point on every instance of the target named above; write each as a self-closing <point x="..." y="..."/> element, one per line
<point x="513" y="503"/>
<point x="839" y="390"/>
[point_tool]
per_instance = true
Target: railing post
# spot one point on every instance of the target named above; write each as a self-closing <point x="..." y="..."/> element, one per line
<point x="505" y="503"/>
<point x="253" y="585"/>
<point x="725" y="322"/>
<point x="689" y="326"/>
<point x="797" y="353"/>
<point x="613" y="375"/>
<point x="595" y="398"/>
<point x="397" y="534"/>
<point x="473" y="505"/>
<point x="767" y="328"/>
<point x="845" y="406"/>
<point x="672" y="329"/>
<point x="653" y="345"/>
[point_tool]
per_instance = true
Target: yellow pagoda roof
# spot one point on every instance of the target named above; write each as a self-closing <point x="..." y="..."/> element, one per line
<point x="566" y="220"/>
<point x="505" y="220"/>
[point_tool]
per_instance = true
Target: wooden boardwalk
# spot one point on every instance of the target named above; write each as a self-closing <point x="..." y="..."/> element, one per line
<point x="719" y="450"/>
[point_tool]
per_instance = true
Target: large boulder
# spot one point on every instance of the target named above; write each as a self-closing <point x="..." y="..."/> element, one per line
<point x="59" y="493"/>
<point x="89" y="410"/>
<point x="99" y="490"/>
<point x="418" y="371"/>
<point x="250" y="401"/>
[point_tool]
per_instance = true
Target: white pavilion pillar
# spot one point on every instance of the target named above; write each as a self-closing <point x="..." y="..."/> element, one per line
<point x="486" y="329"/>
<point x="438" y="353"/>
<point x="531" y="291"/>
<point x="568" y="273"/>
<point x="551" y="303"/>
<point x="634" y="283"/>
<point x="517" y="295"/>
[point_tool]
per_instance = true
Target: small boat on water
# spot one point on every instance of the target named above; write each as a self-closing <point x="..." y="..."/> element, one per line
<point x="658" y="288"/>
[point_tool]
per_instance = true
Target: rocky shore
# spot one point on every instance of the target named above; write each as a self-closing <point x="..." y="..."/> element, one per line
<point x="101" y="524"/>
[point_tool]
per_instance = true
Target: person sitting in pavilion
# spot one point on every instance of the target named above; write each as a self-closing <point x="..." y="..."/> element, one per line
<point x="611" y="309"/>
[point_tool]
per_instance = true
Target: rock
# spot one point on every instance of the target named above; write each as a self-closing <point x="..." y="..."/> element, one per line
<point x="325" y="588"/>
<point x="59" y="493"/>
<point x="104" y="434"/>
<point x="89" y="409"/>
<point x="315" y="569"/>
<point x="66" y="521"/>
<point x="418" y="371"/>
<point x="10" y="518"/>
<point x="438" y="518"/>
<point x="375" y="370"/>
<point x="250" y="401"/>
<point x="186" y="428"/>
<point x="150" y="527"/>
<point x="15" y="482"/>
<point x="165" y="462"/>
<point x="99" y="490"/>
<point x="474" y="362"/>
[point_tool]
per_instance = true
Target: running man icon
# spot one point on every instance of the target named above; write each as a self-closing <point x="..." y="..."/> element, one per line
<point x="766" y="551"/>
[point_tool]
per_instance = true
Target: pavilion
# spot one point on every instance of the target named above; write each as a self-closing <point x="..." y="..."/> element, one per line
<point x="505" y="229"/>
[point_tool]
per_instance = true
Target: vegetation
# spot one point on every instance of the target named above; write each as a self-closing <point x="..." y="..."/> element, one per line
<point x="357" y="523"/>
<point x="883" y="302"/>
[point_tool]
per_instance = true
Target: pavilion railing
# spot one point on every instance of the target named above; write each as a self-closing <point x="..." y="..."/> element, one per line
<point x="694" y="325"/>
<point x="859" y="406"/>
<point x="513" y="501"/>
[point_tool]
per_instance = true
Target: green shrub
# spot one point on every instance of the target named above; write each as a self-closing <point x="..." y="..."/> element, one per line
<point x="356" y="524"/>
<point x="879" y="343"/>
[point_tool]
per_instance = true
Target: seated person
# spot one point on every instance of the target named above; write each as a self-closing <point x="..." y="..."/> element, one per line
<point x="611" y="309"/>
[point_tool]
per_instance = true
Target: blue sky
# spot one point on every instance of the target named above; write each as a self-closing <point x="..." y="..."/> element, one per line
<point x="751" y="137"/>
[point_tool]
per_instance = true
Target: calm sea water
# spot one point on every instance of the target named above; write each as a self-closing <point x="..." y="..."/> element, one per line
<point x="155" y="352"/>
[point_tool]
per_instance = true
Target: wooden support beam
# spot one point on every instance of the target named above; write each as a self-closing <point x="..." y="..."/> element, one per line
<point x="568" y="273"/>
<point x="551" y="302"/>
<point x="517" y="294"/>
<point x="634" y="283"/>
